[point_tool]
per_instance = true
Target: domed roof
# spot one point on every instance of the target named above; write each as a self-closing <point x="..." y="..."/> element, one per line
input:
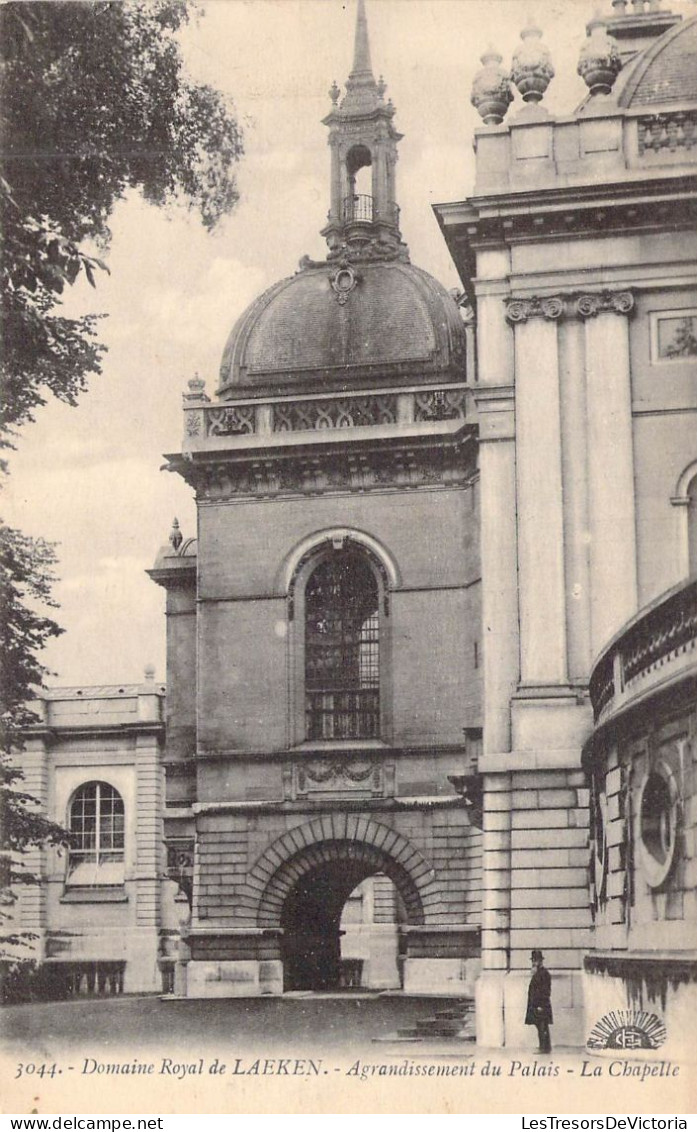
<point x="665" y="72"/>
<point x="342" y="322"/>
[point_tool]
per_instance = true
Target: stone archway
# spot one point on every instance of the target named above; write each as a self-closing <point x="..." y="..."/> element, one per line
<point x="307" y="875"/>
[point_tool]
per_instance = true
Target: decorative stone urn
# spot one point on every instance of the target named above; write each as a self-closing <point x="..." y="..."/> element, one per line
<point x="599" y="61"/>
<point x="532" y="69"/>
<point x="491" y="88"/>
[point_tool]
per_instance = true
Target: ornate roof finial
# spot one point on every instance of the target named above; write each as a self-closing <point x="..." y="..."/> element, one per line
<point x="175" y="535"/>
<point x="532" y="69"/>
<point x="361" y="51"/>
<point x="334" y="93"/>
<point x="599" y="62"/>
<point x="196" y="389"/>
<point x="491" y="88"/>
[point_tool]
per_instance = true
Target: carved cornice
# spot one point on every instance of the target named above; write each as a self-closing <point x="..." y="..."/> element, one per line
<point x="582" y="305"/>
<point x="318" y="473"/>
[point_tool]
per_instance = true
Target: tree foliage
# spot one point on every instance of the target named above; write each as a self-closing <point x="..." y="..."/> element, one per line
<point x="26" y="577"/>
<point x="95" y="101"/>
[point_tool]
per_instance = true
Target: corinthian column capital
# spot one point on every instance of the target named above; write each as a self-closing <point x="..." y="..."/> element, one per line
<point x="604" y="302"/>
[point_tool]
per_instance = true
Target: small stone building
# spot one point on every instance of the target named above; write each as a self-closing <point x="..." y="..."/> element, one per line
<point x="94" y="761"/>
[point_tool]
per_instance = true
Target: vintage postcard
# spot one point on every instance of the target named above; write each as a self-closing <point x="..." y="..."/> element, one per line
<point x="351" y="374"/>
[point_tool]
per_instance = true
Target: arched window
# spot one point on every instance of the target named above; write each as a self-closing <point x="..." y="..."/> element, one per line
<point x="342" y="649"/>
<point x="692" y="526"/>
<point x="96" y="824"/>
<point x="685" y="501"/>
<point x="358" y="205"/>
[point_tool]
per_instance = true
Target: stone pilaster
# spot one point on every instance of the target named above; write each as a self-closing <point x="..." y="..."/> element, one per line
<point x="496" y="412"/>
<point x="496" y="909"/>
<point x="495" y="360"/>
<point x="575" y="481"/>
<point x="613" y="572"/>
<point x="149" y="864"/>
<point x="29" y="913"/>
<point x="539" y="491"/>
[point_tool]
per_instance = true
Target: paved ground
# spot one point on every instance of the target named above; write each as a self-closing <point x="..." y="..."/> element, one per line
<point x="264" y="1025"/>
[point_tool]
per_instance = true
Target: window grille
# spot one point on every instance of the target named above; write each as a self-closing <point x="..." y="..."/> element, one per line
<point x="342" y="650"/>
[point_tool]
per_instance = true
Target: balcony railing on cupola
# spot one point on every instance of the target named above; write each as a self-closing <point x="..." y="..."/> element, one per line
<point x="360" y="208"/>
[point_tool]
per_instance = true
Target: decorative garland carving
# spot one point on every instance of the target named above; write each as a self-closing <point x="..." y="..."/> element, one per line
<point x="337" y="774"/>
<point x="323" y="770"/>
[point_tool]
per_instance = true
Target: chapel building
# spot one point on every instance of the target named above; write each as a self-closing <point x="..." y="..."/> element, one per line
<point x="432" y="657"/>
<point x="324" y="630"/>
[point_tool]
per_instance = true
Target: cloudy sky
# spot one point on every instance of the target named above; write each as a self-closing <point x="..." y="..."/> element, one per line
<point x="89" y="478"/>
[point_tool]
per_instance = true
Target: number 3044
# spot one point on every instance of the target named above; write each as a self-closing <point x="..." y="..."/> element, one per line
<point x="31" y="1069"/>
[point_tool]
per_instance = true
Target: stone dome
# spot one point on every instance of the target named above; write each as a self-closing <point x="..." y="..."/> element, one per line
<point x="337" y="324"/>
<point x="665" y="72"/>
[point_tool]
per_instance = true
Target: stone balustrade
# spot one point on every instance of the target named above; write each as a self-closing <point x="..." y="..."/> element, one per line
<point x="658" y="646"/>
<point x="205" y="422"/>
<point x="673" y="131"/>
<point x="536" y="152"/>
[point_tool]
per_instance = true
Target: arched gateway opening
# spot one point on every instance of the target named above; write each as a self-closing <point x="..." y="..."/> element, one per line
<point x="307" y="896"/>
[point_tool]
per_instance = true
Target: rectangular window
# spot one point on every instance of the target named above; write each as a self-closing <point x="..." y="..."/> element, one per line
<point x="674" y="335"/>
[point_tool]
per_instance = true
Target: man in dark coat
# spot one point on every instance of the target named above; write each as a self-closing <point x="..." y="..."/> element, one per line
<point x="539" y="1012"/>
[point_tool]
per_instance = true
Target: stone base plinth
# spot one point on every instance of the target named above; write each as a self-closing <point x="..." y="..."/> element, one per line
<point x="440" y="959"/>
<point x="501" y="1002"/>
<point x="142" y="973"/>
<point x="234" y="978"/>
<point x="488" y="1004"/>
<point x="440" y="976"/>
<point x="643" y="1003"/>
<point x="233" y="963"/>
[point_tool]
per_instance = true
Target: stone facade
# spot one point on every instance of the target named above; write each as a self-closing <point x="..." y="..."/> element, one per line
<point x="101" y="917"/>
<point x="576" y="246"/>
<point x="641" y="760"/>
<point x="433" y="650"/>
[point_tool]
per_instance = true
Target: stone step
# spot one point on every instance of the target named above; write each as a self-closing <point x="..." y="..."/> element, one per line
<point x="443" y="1027"/>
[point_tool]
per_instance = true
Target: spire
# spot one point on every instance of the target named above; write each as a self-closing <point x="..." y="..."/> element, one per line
<point x="363" y="214"/>
<point x="362" y="93"/>
<point x="361" y="52"/>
